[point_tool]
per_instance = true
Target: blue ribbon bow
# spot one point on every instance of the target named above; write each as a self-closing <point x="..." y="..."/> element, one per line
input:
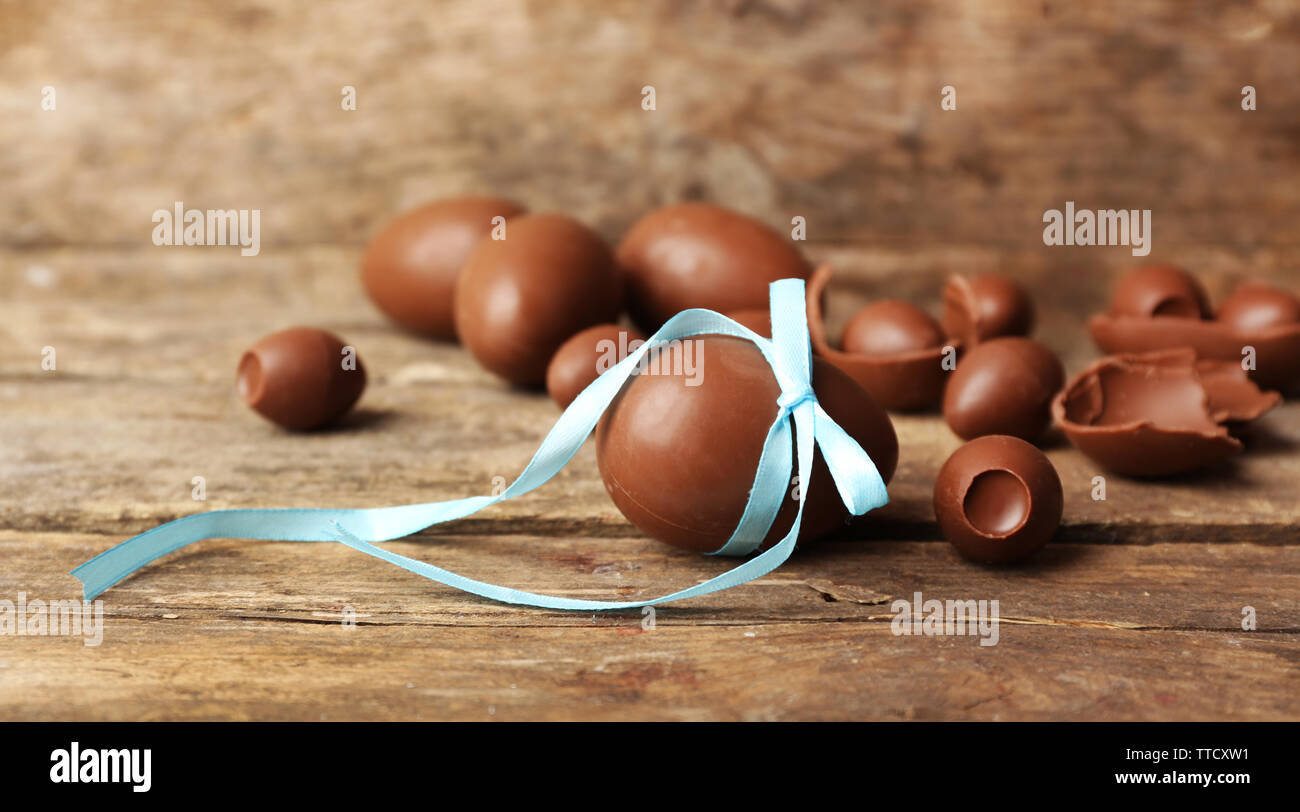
<point x="788" y="353"/>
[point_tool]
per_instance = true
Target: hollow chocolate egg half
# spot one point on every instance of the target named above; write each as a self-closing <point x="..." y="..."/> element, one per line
<point x="899" y="372"/>
<point x="998" y="499"/>
<point x="1257" y="325"/>
<point x="679" y="447"/>
<point x="986" y="306"/>
<point x="1160" y="413"/>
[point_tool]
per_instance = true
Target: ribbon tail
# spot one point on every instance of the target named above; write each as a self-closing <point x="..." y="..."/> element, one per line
<point x="756" y="567"/>
<point x="856" y="477"/>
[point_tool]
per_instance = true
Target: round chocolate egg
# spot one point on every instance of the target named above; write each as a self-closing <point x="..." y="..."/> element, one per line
<point x="988" y="306"/>
<point x="891" y="327"/>
<point x="518" y="299"/>
<point x="1160" y="290"/>
<point x="410" y="267"/>
<point x="1256" y="306"/>
<point x="700" y="255"/>
<point x="1003" y="386"/>
<point x="585" y="357"/>
<point x="301" y="378"/>
<point x="998" y="499"/>
<point x="679" y="447"/>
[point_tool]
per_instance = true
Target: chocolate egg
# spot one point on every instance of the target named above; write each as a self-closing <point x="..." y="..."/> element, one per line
<point x="1256" y="306"/>
<point x="585" y="357"/>
<point x="410" y="267"/>
<point x="518" y="299"/>
<point x="891" y="327"/>
<point x="905" y="381"/>
<point x="998" y="499"/>
<point x="301" y="378"/>
<point x="1160" y="290"/>
<point x="1003" y="386"/>
<point x="679" y="447"/>
<point x="988" y="306"/>
<point x="700" y="255"/>
<point x="1159" y="414"/>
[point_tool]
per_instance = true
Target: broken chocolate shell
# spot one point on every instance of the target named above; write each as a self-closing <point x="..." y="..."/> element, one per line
<point x="985" y="307"/>
<point x="1160" y="290"/>
<point x="907" y="381"/>
<point x="1276" y="350"/>
<point x="1158" y="414"/>
<point x="1257" y="324"/>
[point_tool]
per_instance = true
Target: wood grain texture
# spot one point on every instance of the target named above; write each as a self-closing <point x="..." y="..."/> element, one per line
<point x="253" y="630"/>
<point x="786" y="107"/>
<point x="779" y="107"/>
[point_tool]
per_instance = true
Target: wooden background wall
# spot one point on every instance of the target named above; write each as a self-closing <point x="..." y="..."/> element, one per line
<point x="778" y="107"/>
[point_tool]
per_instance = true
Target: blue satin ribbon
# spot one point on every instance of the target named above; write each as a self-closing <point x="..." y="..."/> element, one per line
<point x="788" y="353"/>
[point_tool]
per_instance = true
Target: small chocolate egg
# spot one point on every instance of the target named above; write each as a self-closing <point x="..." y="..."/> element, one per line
<point x="998" y="499"/>
<point x="410" y="267"/>
<point x="1003" y="386"/>
<point x="518" y="299"/>
<point x="301" y="378"/>
<point x="1160" y="290"/>
<point x="700" y="255"/>
<point x="891" y="327"/>
<point x="1257" y="306"/>
<point x="585" y="357"/>
<point x="988" y="306"/>
<point x="679" y="447"/>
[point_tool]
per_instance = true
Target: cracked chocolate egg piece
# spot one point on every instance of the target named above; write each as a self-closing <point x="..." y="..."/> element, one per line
<point x="987" y="306"/>
<point x="1160" y="290"/>
<point x="586" y="356"/>
<point x="701" y="255"/>
<point x="520" y="298"/>
<point x="1159" y="414"/>
<point x="903" y="381"/>
<point x="301" y="378"/>
<point x="998" y="499"/>
<point x="679" y="447"/>
<point x="1258" y="325"/>
<point x="891" y="327"/>
<point x="410" y="267"/>
<point x="1003" y="386"/>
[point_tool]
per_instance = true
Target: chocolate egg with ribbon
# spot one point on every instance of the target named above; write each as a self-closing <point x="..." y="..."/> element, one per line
<point x="678" y="447"/>
<point x="745" y="401"/>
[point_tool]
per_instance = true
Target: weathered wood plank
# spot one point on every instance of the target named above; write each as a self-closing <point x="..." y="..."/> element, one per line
<point x="253" y="631"/>
<point x="1185" y="586"/>
<point x="196" y="669"/>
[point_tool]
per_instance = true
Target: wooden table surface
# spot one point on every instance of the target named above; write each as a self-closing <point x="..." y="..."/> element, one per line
<point x="1134" y="611"/>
